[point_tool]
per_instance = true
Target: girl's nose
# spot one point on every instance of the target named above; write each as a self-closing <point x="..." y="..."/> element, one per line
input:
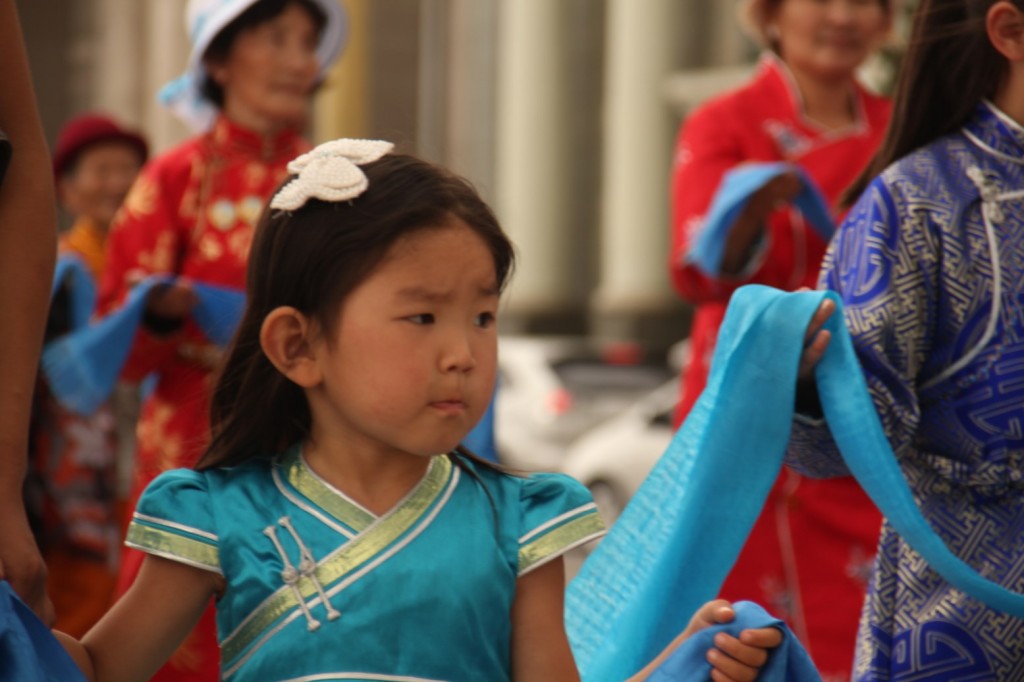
<point x="458" y="354"/>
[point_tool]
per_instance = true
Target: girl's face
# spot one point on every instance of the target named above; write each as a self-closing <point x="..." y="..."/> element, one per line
<point x="828" y="39"/>
<point x="270" y="72"/>
<point x="410" y="365"/>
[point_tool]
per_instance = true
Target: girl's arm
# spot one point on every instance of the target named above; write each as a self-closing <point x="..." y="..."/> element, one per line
<point x="540" y="647"/>
<point x="147" y="624"/>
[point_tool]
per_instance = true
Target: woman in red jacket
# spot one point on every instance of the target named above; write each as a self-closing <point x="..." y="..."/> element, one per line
<point x="191" y="215"/>
<point x="809" y="554"/>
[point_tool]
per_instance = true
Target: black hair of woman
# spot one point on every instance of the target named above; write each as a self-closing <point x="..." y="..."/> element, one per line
<point x="259" y="13"/>
<point x="950" y="65"/>
<point x="311" y="259"/>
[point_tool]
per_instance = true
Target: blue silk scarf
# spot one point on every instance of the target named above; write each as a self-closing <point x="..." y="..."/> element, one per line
<point x="734" y="192"/>
<point x="82" y="367"/>
<point x="675" y="542"/>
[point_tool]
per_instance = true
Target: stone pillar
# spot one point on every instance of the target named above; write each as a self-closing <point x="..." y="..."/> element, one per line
<point x="165" y="55"/>
<point x="342" y="104"/>
<point x="639" y="129"/>
<point x="532" y="158"/>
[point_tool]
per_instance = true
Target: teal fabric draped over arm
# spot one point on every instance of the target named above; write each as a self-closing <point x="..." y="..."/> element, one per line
<point x="677" y="539"/>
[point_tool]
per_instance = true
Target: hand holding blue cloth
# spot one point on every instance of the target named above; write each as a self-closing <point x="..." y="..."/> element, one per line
<point x="673" y="545"/>
<point x="82" y="367"/>
<point x="734" y="192"/>
<point x="789" y="662"/>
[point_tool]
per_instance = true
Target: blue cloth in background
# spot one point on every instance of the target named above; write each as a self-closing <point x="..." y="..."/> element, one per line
<point x="677" y="539"/>
<point x="28" y="650"/>
<point x="789" y="662"/>
<point x="218" y="312"/>
<point x="82" y="367"/>
<point x="735" y="190"/>
<point x="72" y="271"/>
<point x="480" y="441"/>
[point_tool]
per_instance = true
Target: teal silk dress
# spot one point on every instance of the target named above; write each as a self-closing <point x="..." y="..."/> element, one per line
<point x="320" y="588"/>
<point x="930" y="268"/>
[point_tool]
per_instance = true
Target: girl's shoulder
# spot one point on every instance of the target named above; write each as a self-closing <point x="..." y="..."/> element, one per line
<point x="527" y="485"/>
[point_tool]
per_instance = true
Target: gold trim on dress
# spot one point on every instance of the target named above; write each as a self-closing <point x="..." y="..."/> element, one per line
<point x="346" y="559"/>
<point x="173" y="546"/>
<point x="559" y="540"/>
<point x="309" y="484"/>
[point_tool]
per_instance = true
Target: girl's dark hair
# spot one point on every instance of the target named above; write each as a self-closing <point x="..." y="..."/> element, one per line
<point x="949" y="66"/>
<point x="258" y="13"/>
<point x="312" y="259"/>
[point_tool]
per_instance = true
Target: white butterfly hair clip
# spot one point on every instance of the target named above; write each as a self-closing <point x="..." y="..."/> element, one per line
<point x="329" y="172"/>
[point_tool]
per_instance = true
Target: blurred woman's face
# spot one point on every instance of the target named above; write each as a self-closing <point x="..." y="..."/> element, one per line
<point x="270" y="72"/>
<point x="828" y="39"/>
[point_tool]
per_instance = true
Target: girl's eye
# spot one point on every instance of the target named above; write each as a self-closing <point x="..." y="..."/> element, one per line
<point x="422" y="318"/>
<point x="485" y="320"/>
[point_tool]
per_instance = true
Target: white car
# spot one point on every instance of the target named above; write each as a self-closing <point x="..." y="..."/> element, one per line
<point x="614" y="458"/>
<point x="553" y="389"/>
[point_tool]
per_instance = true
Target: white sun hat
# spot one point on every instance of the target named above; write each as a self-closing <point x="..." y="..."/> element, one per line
<point x="204" y="19"/>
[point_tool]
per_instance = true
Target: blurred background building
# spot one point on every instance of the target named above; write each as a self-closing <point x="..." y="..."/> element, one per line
<point x="562" y="112"/>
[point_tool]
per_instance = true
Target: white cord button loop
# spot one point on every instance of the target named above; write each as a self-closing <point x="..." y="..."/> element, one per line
<point x="307" y="569"/>
<point x="329" y="172"/>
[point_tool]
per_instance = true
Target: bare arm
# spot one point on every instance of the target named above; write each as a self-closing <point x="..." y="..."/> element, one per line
<point x="27" y="251"/>
<point x="540" y="648"/>
<point x="147" y="624"/>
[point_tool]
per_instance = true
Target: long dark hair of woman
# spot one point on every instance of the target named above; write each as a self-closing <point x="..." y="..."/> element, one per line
<point x="949" y="67"/>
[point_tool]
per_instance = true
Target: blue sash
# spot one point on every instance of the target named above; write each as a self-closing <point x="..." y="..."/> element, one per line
<point x="675" y="542"/>
<point x="73" y="272"/>
<point x="735" y="190"/>
<point x="82" y="367"/>
<point x="28" y="651"/>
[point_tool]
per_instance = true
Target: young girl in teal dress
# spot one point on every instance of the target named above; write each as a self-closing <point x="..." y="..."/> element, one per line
<point x="342" y="529"/>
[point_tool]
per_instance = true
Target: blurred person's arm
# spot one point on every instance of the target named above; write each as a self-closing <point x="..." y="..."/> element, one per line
<point x="28" y="218"/>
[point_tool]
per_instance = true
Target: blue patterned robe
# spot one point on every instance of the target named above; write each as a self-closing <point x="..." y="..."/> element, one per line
<point x="319" y="588"/>
<point x="930" y="266"/>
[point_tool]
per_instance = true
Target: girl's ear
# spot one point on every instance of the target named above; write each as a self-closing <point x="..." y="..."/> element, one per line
<point x="1005" y="26"/>
<point x="286" y="338"/>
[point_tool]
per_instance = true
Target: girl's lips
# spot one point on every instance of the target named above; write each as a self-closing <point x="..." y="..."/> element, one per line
<point x="449" y="406"/>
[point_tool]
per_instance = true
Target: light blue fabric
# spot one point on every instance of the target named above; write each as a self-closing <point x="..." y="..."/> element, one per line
<point x="788" y="662"/>
<point x="218" y="312"/>
<point x="424" y="591"/>
<point x="72" y="272"/>
<point x="82" y="367"/>
<point x="735" y="190"/>
<point x="480" y="441"/>
<point x="28" y="650"/>
<point x="681" y="533"/>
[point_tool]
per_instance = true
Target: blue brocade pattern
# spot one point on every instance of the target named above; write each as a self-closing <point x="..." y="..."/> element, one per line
<point x="944" y="362"/>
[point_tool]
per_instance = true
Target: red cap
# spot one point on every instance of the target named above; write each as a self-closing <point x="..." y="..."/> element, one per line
<point x="88" y="129"/>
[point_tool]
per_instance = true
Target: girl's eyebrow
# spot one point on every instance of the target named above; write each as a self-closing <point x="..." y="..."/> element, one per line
<point x="422" y="293"/>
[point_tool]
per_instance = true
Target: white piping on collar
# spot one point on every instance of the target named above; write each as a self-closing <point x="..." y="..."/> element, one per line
<point x="860" y="123"/>
<point x="981" y="144"/>
<point x="308" y="508"/>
